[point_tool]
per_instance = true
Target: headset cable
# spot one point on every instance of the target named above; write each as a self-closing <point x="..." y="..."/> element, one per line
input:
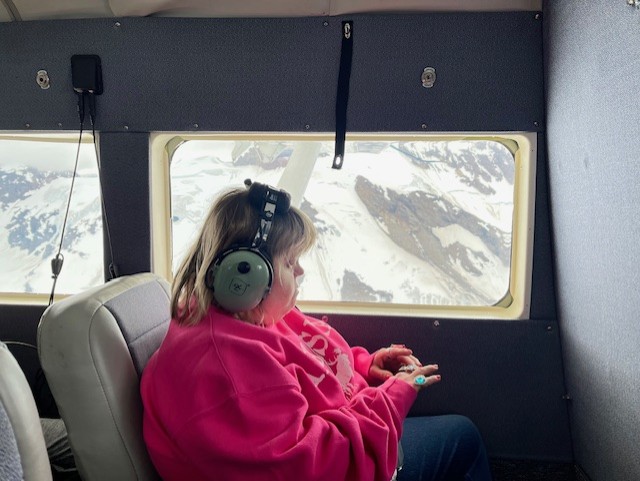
<point x="58" y="260"/>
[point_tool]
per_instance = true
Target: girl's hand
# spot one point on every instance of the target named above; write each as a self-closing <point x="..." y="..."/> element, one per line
<point x="421" y="377"/>
<point x="388" y="361"/>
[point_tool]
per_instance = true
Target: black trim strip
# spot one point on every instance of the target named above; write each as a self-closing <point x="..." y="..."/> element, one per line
<point x="342" y="97"/>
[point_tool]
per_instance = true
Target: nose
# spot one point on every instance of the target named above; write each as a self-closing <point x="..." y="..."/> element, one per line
<point x="299" y="270"/>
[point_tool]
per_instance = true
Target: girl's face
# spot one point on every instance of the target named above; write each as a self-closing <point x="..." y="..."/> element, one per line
<point x="284" y="289"/>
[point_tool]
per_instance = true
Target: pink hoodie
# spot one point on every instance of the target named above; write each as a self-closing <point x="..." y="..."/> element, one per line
<point x="227" y="400"/>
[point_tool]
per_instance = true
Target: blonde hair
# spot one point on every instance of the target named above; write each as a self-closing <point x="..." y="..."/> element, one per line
<point x="232" y="220"/>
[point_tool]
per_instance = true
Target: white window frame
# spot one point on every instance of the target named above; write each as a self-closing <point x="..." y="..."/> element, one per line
<point x="523" y="145"/>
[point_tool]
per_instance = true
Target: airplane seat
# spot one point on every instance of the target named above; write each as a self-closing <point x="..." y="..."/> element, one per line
<point x="93" y="347"/>
<point x="23" y="453"/>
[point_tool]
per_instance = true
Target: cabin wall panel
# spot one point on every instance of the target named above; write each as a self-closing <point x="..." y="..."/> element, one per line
<point x="592" y="58"/>
<point x="125" y="178"/>
<point x="183" y="74"/>
<point x="505" y="375"/>
<point x="543" y="297"/>
<point x="488" y="73"/>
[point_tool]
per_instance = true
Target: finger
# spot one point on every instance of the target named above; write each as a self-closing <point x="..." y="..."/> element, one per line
<point x="378" y="373"/>
<point x="427" y="370"/>
<point x="415" y="360"/>
<point x="421" y="381"/>
<point x="381" y="355"/>
<point x="426" y="376"/>
<point x="432" y="380"/>
<point x="408" y="360"/>
<point x="396" y="352"/>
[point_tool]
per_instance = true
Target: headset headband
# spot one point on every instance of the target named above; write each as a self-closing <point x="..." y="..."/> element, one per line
<point x="270" y="202"/>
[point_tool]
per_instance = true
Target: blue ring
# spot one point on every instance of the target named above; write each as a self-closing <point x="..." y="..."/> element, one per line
<point x="420" y="380"/>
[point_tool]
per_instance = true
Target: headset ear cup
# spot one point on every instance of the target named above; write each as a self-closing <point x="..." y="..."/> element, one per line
<point x="211" y="273"/>
<point x="240" y="279"/>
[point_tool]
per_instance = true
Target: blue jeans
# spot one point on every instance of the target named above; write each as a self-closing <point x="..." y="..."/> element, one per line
<point x="443" y="448"/>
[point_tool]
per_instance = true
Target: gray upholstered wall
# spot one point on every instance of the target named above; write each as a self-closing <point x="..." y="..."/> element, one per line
<point x="279" y="74"/>
<point x="592" y="63"/>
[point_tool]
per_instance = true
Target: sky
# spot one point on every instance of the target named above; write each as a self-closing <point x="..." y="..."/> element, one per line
<point x="52" y="155"/>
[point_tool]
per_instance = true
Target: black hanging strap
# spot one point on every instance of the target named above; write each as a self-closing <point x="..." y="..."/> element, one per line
<point x="342" y="98"/>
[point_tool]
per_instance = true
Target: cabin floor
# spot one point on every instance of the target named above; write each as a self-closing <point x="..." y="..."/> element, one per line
<point x="519" y="470"/>
<point x="501" y="469"/>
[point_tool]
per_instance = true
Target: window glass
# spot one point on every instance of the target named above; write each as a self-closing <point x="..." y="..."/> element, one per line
<point x="403" y="222"/>
<point x="35" y="180"/>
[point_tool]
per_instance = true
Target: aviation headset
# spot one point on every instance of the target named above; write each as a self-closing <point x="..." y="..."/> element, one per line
<point x="242" y="275"/>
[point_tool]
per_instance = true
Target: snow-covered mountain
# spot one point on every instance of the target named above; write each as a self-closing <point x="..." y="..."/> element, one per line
<point x="403" y="222"/>
<point x="32" y="207"/>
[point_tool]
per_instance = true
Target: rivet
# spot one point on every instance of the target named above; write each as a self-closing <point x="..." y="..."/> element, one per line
<point x="549" y="328"/>
<point x="27" y="125"/>
<point x="428" y="77"/>
<point x="59" y="124"/>
<point x="325" y="24"/>
<point x="126" y="127"/>
<point x="42" y="79"/>
<point x="307" y="127"/>
<point x="436" y="323"/>
<point x="537" y="16"/>
<point x="195" y="126"/>
<point x="424" y="126"/>
<point x="117" y="24"/>
<point x="536" y="124"/>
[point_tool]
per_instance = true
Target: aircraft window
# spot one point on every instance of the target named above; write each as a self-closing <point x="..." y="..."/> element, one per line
<point x="35" y="179"/>
<point x="407" y="223"/>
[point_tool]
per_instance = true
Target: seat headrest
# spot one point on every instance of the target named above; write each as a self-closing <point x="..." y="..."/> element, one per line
<point x="93" y="347"/>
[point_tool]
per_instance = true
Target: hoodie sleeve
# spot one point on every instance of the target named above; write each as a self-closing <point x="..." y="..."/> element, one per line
<point x="269" y="435"/>
<point x="362" y="360"/>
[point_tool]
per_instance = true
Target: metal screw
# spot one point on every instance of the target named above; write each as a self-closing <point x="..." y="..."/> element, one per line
<point x="126" y="127"/>
<point x="117" y="24"/>
<point x="307" y="127"/>
<point x="424" y="126"/>
<point x="195" y="126"/>
<point x="549" y="328"/>
<point x="42" y="79"/>
<point x="428" y="77"/>
<point x="325" y="24"/>
<point x="27" y="125"/>
<point x="536" y="124"/>
<point x="60" y="124"/>
<point x="537" y="17"/>
<point x="436" y="323"/>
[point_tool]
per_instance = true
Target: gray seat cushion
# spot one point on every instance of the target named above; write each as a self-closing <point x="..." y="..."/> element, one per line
<point x="93" y="347"/>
